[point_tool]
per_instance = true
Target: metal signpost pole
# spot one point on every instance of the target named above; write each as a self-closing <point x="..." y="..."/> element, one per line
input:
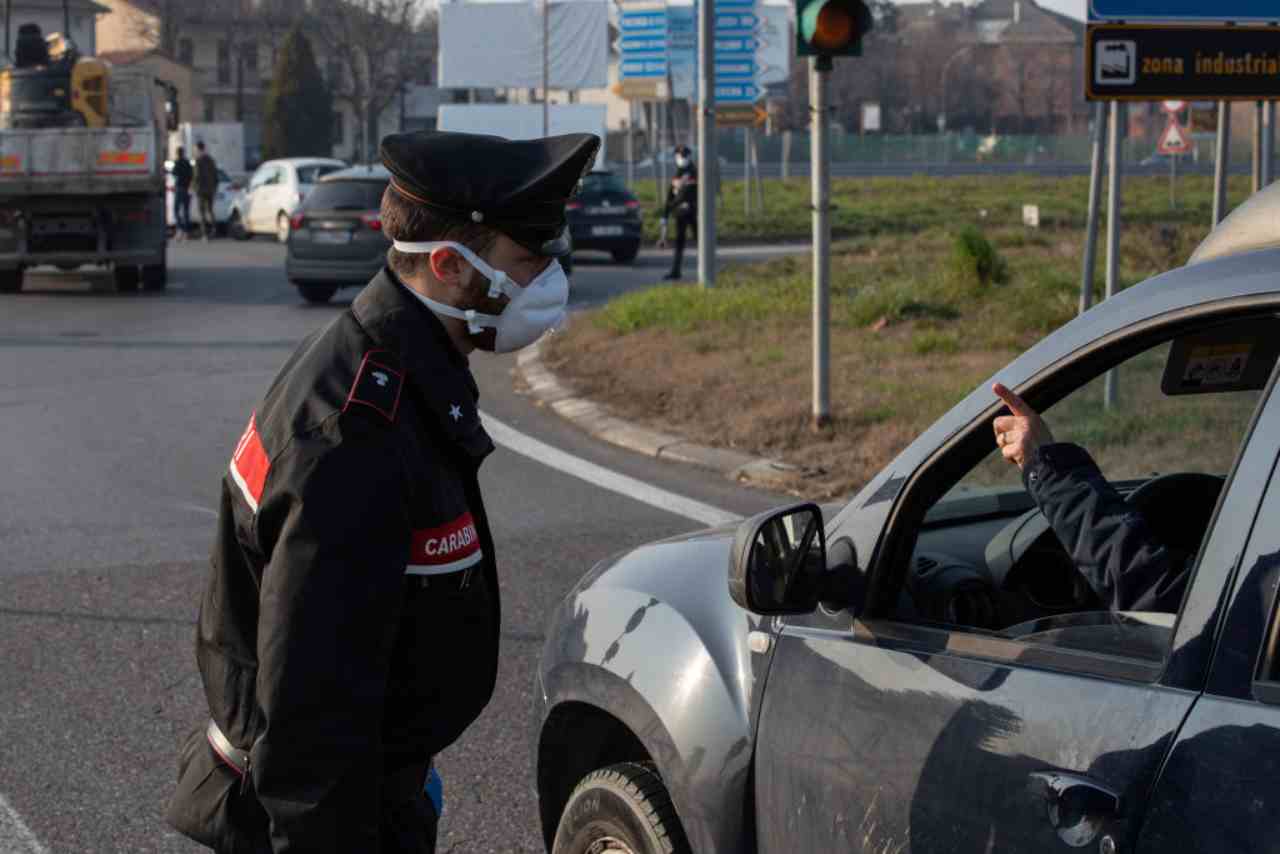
<point x="1257" y="146"/>
<point x="631" y="144"/>
<point x="821" y="244"/>
<point x="546" y="67"/>
<point x="1268" y="142"/>
<point x="708" y="176"/>
<point x="746" y="172"/>
<point x="1095" y="198"/>
<point x="1111" y="391"/>
<point x="1222" y="155"/>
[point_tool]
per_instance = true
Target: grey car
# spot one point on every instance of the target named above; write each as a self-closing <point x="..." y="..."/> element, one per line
<point x="335" y="235"/>
<point x="923" y="669"/>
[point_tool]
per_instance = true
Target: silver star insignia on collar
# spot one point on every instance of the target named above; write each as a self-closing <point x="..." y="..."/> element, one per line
<point x="455" y="412"/>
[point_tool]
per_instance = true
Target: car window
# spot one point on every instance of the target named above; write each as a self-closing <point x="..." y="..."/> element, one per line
<point x="597" y="183"/>
<point x="265" y="175"/>
<point x="346" y="195"/>
<point x="311" y="174"/>
<point x="986" y="559"/>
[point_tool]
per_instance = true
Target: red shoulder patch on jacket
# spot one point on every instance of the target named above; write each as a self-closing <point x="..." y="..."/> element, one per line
<point x="250" y="464"/>
<point x="377" y="386"/>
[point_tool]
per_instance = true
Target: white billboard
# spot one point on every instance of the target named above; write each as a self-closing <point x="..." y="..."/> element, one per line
<point x="524" y="121"/>
<point x="500" y="44"/>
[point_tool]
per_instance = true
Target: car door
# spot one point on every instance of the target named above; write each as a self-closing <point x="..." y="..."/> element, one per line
<point x="887" y="732"/>
<point x="261" y="199"/>
<point x="1219" y="791"/>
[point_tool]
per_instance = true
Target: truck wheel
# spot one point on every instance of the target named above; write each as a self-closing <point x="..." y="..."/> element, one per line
<point x="318" y="294"/>
<point x="126" y="277"/>
<point x="10" y="281"/>
<point x="154" y="277"/>
<point x="624" y="808"/>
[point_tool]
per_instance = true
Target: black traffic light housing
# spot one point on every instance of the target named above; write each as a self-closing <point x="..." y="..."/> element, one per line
<point x="827" y="28"/>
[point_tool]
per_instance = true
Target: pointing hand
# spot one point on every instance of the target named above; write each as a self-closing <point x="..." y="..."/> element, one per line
<point x="1018" y="435"/>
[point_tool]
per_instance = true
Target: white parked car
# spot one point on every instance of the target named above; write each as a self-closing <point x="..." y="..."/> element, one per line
<point x="228" y="187"/>
<point x="274" y="191"/>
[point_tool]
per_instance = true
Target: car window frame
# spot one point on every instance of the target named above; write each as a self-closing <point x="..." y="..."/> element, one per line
<point x="310" y="201"/>
<point x="886" y="569"/>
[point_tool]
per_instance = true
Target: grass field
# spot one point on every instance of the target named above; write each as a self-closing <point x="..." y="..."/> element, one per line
<point x="935" y="284"/>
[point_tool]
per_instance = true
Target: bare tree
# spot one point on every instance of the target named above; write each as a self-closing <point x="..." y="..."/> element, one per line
<point x="159" y="23"/>
<point x="381" y="46"/>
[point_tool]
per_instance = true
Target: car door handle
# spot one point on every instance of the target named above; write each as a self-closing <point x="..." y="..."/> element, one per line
<point x="1076" y="806"/>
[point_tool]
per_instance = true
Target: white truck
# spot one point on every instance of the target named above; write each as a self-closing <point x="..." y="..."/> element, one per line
<point x="84" y="185"/>
<point x="223" y="140"/>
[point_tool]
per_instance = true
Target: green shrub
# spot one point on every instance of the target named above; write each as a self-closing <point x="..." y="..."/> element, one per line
<point x="975" y="260"/>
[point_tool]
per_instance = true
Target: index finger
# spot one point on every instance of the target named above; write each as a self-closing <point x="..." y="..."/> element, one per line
<point x="1016" y="405"/>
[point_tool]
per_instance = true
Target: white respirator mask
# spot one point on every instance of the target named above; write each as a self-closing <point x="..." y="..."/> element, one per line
<point x="533" y="310"/>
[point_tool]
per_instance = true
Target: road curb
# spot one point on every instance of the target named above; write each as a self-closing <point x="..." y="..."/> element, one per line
<point x="540" y="383"/>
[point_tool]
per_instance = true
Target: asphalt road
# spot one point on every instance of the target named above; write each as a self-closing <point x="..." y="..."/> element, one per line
<point x="118" y="415"/>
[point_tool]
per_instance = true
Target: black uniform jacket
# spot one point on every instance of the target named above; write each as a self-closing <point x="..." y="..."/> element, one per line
<point x="1107" y="537"/>
<point x="683" y="203"/>
<point x="334" y="641"/>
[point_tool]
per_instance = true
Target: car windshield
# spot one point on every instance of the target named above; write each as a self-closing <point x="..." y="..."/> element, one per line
<point x="346" y="195"/>
<point x="313" y="173"/>
<point x="602" y="183"/>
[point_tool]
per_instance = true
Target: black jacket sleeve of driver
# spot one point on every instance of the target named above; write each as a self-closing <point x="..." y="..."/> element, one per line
<point x="1107" y="538"/>
<point x="331" y="597"/>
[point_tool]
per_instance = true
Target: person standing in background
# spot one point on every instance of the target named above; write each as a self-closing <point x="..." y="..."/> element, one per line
<point x="182" y="175"/>
<point x="682" y="202"/>
<point x="206" y="187"/>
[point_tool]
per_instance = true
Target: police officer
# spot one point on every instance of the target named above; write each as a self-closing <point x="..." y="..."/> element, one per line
<point x="682" y="203"/>
<point x="1109" y="540"/>
<point x="349" y="629"/>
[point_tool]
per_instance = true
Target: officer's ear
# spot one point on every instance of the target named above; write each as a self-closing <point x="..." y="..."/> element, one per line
<point x="450" y="268"/>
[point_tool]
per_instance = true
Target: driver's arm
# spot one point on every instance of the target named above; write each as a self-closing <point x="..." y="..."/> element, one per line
<point x="1107" y="537"/>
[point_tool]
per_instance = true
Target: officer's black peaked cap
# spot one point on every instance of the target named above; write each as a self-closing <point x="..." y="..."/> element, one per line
<point x="518" y="187"/>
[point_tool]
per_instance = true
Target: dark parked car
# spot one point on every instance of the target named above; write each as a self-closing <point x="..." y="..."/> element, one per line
<point x="335" y="235"/>
<point x="926" y="669"/>
<point x="605" y="215"/>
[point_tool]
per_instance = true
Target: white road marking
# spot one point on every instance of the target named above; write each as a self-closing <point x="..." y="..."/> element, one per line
<point x="15" y="836"/>
<point x="605" y="478"/>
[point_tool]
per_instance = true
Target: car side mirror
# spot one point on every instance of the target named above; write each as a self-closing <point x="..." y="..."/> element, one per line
<point x="779" y="561"/>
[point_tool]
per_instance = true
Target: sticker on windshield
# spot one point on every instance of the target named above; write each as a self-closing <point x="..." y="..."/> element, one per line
<point x="1218" y="364"/>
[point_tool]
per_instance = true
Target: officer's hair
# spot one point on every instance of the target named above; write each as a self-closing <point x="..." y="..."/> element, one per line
<point x="402" y="219"/>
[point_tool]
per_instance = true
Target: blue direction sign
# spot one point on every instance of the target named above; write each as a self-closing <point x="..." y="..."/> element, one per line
<point x="736" y="21"/>
<point x="737" y="45"/>
<point x="1182" y="10"/>
<point x="737" y="93"/>
<point x="726" y="68"/>
<point x="643" y="44"/>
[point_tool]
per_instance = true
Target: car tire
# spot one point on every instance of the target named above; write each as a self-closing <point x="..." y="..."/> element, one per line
<point x="126" y="277"/>
<point x="318" y="294"/>
<point x="154" y="277"/>
<point x="282" y="227"/>
<point x="627" y="255"/>
<point x="236" y="226"/>
<point x="623" y="808"/>
<point x="10" y="281"/>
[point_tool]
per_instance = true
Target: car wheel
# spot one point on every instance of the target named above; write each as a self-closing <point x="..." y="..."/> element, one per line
<point x="126" y="277"/>
<point x="10" y="281"/>
<point x="318" y="294"/>
<point x="624" y="808"/>
<point x="626" y="256"/>
<point x="154" y="277"/>
<point x="282" y="227"/>
<point x="236" y="227"/>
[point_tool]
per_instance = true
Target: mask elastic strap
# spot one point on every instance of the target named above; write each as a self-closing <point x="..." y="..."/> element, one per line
<point x="500" y="283"/>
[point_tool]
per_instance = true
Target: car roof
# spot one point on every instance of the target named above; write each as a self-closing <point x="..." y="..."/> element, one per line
<point x="306" y="161"/>
<point x="1252" y="226"/>
<point x="374" y="172"/>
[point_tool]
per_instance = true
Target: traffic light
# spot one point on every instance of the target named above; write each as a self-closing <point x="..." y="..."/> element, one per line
<point x="827" y="28"/>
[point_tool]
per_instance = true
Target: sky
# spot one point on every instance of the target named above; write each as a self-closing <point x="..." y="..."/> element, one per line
<point x="1074" y="8"/>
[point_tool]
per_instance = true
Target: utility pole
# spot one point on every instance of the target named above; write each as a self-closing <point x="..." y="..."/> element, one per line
<point x="821" y="184"/>
<point x="708" y="173"/>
